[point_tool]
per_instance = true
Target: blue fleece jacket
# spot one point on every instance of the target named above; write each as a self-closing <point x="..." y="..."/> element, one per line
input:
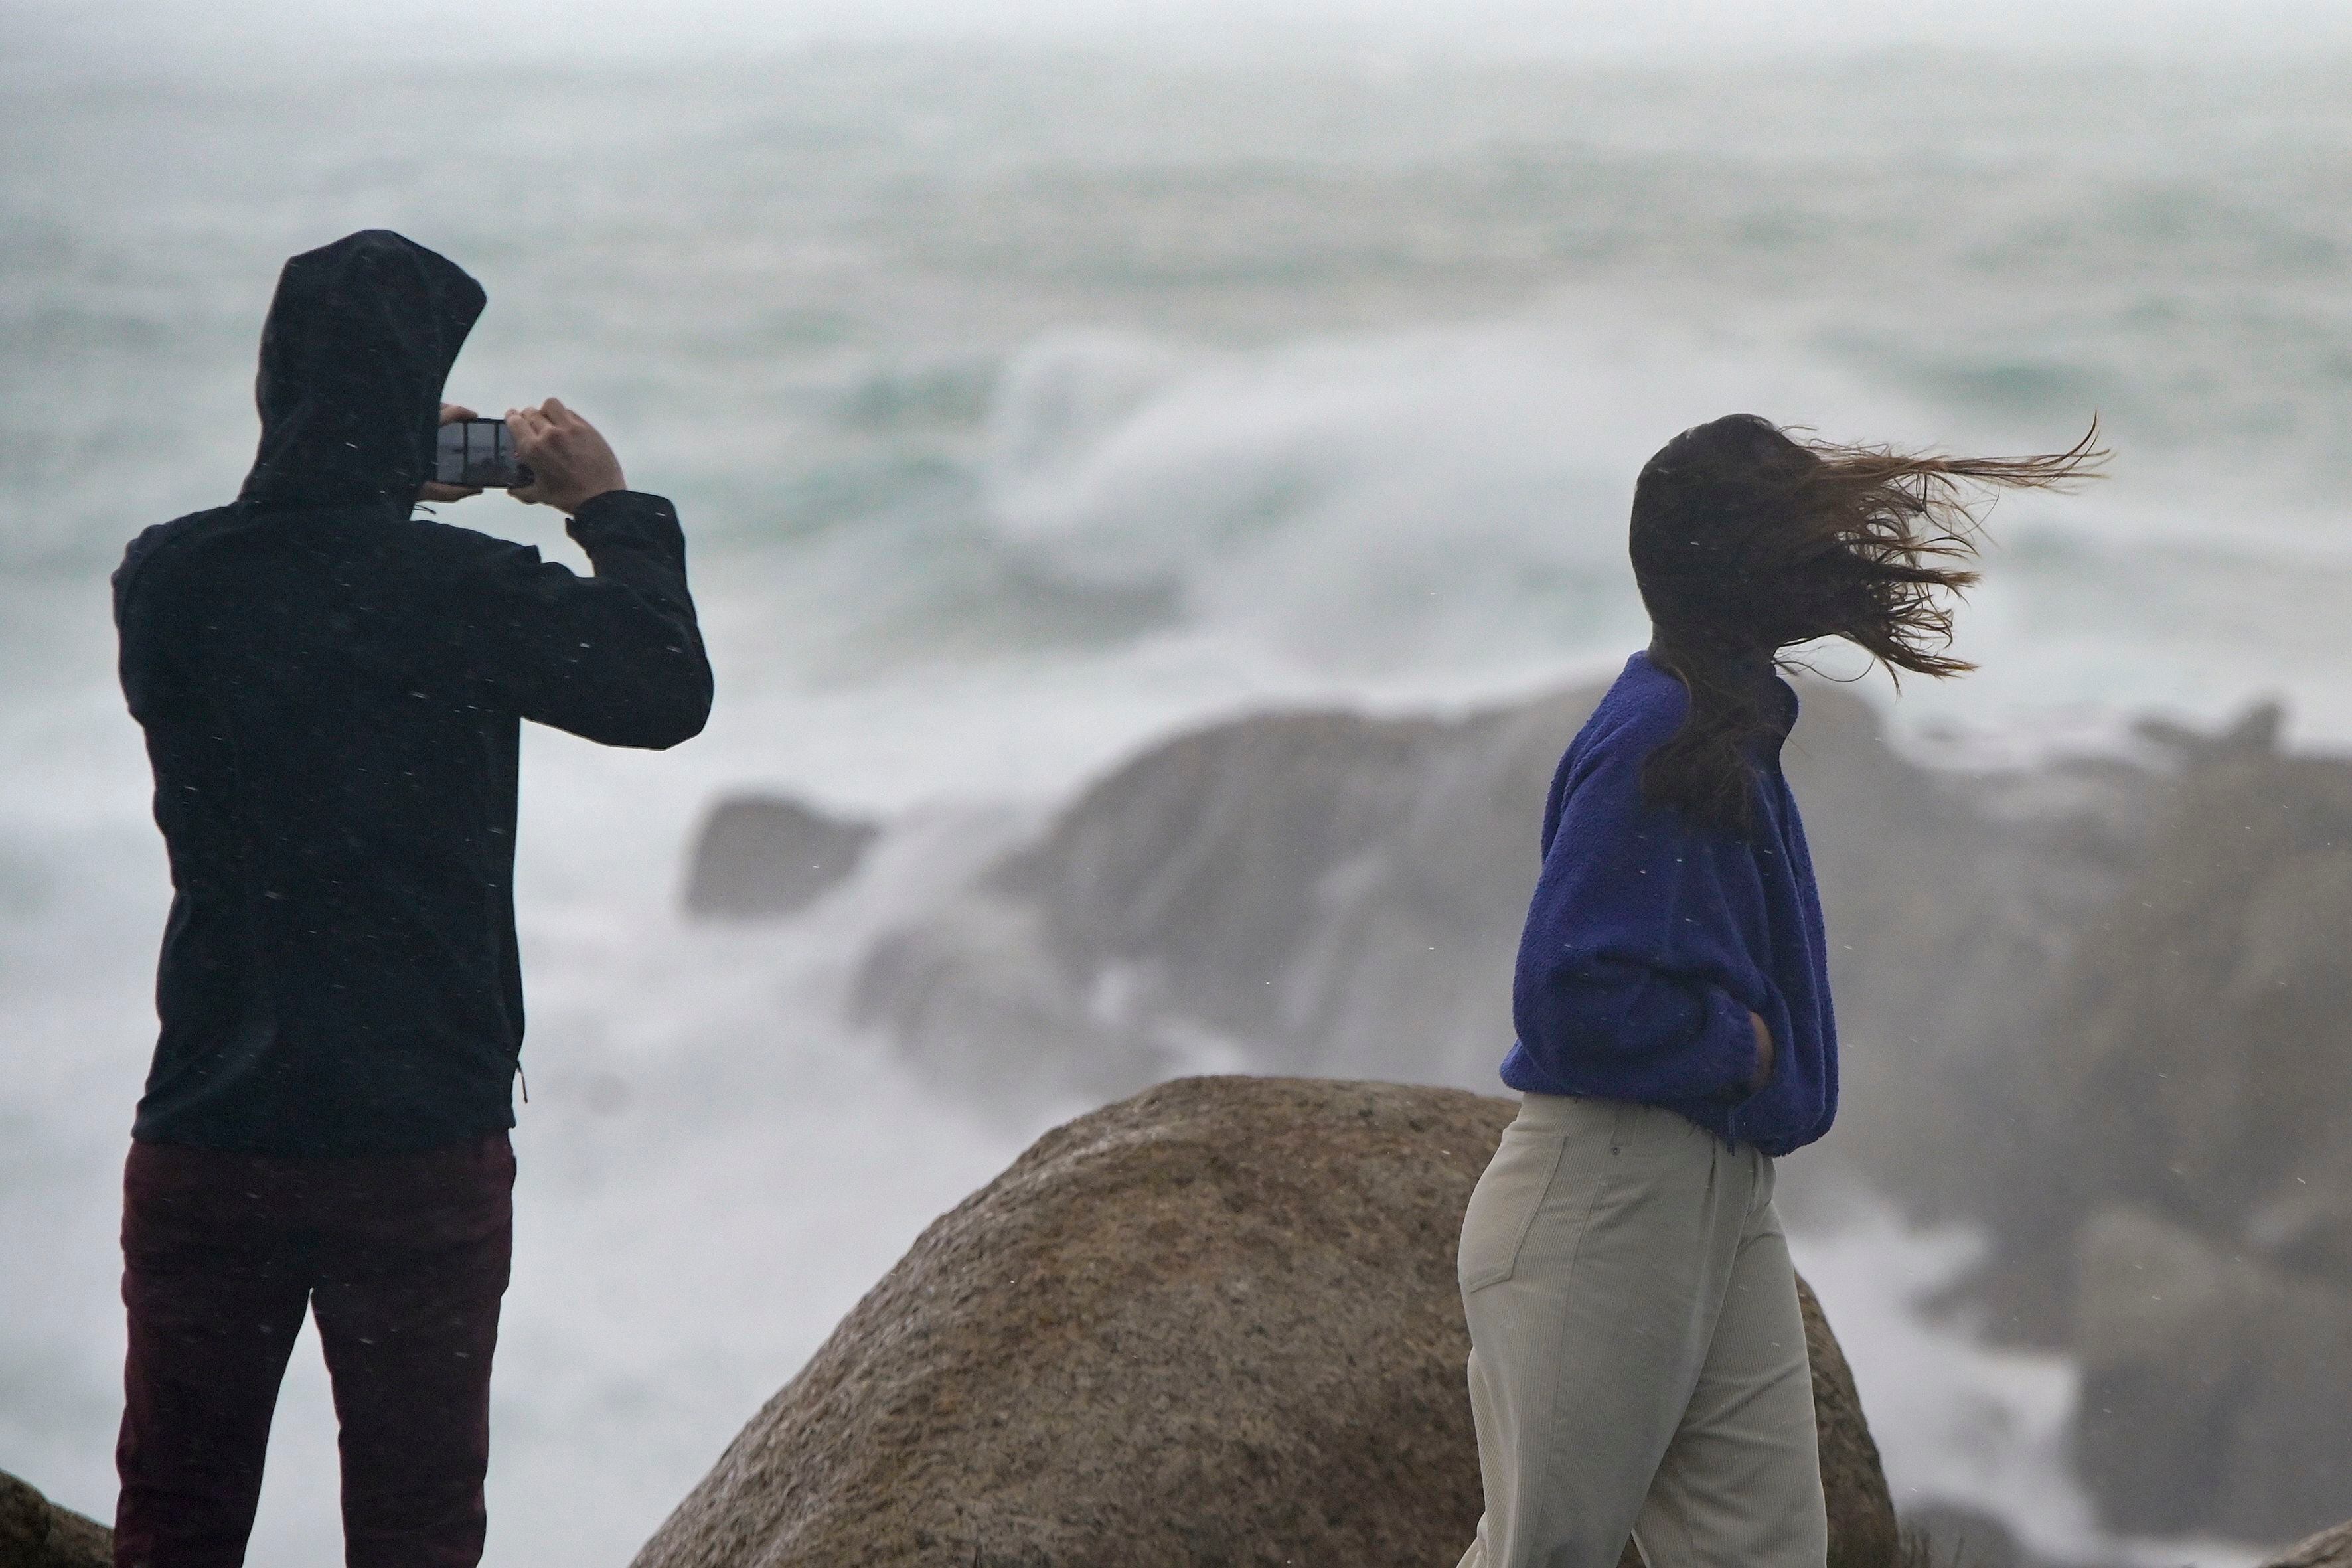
<point x="1650" y="939"/>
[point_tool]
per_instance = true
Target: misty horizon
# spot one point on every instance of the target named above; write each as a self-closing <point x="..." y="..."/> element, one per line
<point x="148" y="34"/>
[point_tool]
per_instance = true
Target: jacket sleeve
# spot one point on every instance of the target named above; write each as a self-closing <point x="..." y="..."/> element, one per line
<point x="1626" y="981"/>
<point x="145" y="686"/>
<point x="617" y="657"/>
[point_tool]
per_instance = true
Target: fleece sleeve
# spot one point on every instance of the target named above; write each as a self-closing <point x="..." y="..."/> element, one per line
<point x="617" y="657"/>
<point x="1629" y="980"/>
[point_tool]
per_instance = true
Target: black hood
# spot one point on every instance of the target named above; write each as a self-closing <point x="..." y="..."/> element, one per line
<point x="359" y="342"/>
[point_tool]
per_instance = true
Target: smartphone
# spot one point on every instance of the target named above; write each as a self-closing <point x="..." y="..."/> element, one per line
<point x="479" y="452"/>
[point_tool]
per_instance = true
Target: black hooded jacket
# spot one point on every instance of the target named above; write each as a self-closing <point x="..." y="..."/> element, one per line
<point x="331" y="692"/>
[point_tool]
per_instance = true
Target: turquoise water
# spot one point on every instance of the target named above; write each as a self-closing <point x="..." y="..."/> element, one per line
<point x="1020" y="408"/>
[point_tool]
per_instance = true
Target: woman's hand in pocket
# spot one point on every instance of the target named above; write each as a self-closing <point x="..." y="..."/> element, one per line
<point x="1764" y="1053"/>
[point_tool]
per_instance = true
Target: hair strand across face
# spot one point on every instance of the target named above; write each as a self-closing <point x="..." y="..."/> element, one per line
<point x="1747" y="541"/>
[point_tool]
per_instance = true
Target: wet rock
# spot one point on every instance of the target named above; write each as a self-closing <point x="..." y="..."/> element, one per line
<point x="764" y="856"/>
<point x="1214" y="1323"/>
<point x="1862" y="1528"/>
<point x="2194" y="1058"/>
<point x="2061" y="988"/>
<point x="1954" y="902"/>
<point x="2330" y="1548"/>
<point x="954" y="989"/>
<point x="1333" y="893"/>
<point x="1312" y="892"/>
<point x="38" y="1534"/>
<point x="2198" y="1053"/>
<point x="2303" y="1224"/>
<point x="1944" y="1534"/>
<point x="2212" y="1384"/>
<point x="1952" y="1535"/>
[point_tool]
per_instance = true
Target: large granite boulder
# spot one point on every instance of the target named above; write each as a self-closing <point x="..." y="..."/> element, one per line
<point x="1214" y="1323"/>
<point x="38" y="1534"/>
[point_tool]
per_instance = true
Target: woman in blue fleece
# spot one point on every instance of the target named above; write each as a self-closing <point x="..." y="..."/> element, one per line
<point x="1638" y="1360"/>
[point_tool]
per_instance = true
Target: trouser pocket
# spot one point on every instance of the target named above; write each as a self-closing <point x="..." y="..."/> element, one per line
<point x="1516" y="1184"/>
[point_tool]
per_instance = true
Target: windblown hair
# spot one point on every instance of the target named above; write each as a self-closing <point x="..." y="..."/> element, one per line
<point x="1747" y="541"/>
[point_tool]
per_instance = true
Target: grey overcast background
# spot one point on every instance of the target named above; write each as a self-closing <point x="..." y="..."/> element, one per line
<point x="280" y="32"/>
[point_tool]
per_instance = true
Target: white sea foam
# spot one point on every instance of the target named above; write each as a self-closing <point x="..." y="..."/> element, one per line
<point x="1957" y="1421"/>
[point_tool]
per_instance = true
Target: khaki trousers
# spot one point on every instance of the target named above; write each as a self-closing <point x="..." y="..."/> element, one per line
<point x="1637" y="1361"/>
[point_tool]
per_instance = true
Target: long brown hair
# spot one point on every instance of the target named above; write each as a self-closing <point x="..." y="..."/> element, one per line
<point x="1747" y="541"/>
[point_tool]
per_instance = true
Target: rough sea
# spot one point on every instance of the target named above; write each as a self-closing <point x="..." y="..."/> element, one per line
<point x="1022" y="407"/>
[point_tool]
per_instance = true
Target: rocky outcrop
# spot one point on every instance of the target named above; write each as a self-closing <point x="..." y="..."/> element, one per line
<point x="2196" y="1058"/>
<point x="2167" y="1154"/>
<point x="2194" y="1358"/>
<point x="2328" y="1549"/>
<point x="2061" y="988"/>
<point x="1214" y="1323"/>
<point x="760" y="855"/>
<point x="1318" y="892"/>
<point x="37" y="1533"/>
<point x="1334" y="893"/>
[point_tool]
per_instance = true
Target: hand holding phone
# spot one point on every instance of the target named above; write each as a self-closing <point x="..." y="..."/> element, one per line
<point x="434" y="489"/>
<point x="570" y="461"/>
<point x="475" y="455"/>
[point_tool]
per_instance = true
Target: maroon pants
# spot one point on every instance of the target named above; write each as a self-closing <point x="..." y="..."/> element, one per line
<point x="402" y="1256"/>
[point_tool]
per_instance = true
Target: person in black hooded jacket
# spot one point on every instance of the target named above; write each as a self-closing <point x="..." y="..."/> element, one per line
<point x="331" y="692"/>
